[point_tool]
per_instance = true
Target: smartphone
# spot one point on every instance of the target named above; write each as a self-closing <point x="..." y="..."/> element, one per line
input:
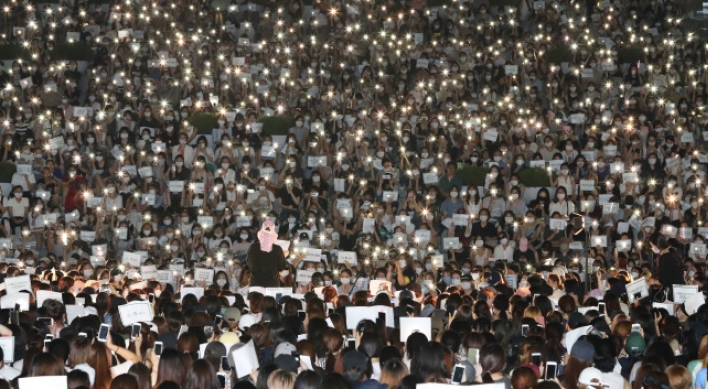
<point x="330" y="311"/>
<point x="457" y="373"/>
<point x="49" y="336"/>
<point x="381" y="319"/>
<point x="636" y="327"/>
<point x="158" y="348"/>
<point x="225" y="364"/>
<point x="551" y="370"/>
<point x="47" y="341"/>
<point x="14" y="317"/>
<point x="103" y="332"/>
<point x="218" y="319"/>
<point x="601" y="308"/>
<point x="278" y="296"/>
<point x="351" y="343"/>
<point x="135" y="332"/>
<point x="47" y="321"/>
<point x="536" y="359"/>
<point x="473" y="356"/>
<point x="301" y="315"/>
<point x="524" y="329"/>
<point x="82" y="335"/>
<point x="296" y="355"/>
<point x="222" y="379"/>
<point x="208" y="331"/>
<point x="151" y="297"/>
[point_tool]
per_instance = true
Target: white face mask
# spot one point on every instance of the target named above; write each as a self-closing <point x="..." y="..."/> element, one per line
<point x="345" y="281"/>
<point x="221" y="282"/>
<point x="483" y="218"/>
<point x="453" y="194"/>
<point x="244" y="236"/>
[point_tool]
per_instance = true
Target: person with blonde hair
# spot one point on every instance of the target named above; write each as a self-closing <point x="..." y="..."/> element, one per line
<point x="281" y="379"/>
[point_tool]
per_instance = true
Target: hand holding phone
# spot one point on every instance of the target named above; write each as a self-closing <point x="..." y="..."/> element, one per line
<point x="103" y="333"/>
<point x="551" y="370"/>
<point x="458" y="373"/>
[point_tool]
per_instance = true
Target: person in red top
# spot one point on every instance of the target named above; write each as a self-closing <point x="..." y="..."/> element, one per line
<point x="74" y="188"/>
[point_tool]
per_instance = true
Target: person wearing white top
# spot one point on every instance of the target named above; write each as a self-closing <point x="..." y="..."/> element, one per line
<point x="561" y="203"/>
<point x="505" y="249"/>
<point x="26" y="181"/>
<point x="185" y="150"/>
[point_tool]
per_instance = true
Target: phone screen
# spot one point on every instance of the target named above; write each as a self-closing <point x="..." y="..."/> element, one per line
<point x="536" y="359"/>
<point x="551" y="370"/>
<point x="473" y="356"/>
<point x="381" y="318"/>
<point x="151" y="298"/>
<point x="301" y="315"/>
<point x="136" y="331"/>
<point x="296" y="355"/>
<point x="158" y="348"/>
<point x="601" y="308"/>
<point x="225" y="363"/>
<point x="524" y="329"/>
<point x="351" y="343"/>
<point x="103" y="332"/>
<point x="222" y="380"/>
<point x="457" y="374"/>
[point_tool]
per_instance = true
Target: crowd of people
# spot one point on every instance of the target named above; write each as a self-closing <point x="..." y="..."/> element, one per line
<point x="464" y="193"/>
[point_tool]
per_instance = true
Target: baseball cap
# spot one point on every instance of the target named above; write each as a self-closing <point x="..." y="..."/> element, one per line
<point x="635" y="344"/>
<point x="287" y="363"/>
<point x="494" y="278"/>
<point x="590" y="376"/>
<point x="232" y="314"/>
<point x="354" y="360"/>
<point x="285" y="348"/>
<point x="247" y="321"/>
<point x="576" y="319"/>
<point x="583" y="350"/>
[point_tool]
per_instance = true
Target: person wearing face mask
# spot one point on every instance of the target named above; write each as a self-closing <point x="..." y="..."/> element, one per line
<point x="218" y="236"/>
<point x="452" y="204"/>
<point x="184" y="150"/>
<point x="466" y="285"/>
<point x="301" y="132"/>
<point x="505" y="249"/>
<point x="74" y="188"/>
<point x="485" y="229"/>
<point x="348" y="283"/>
<point x="204" y="150"/>
<point x="221" y="280"/>
<point x="148" y="236"/>
<point x="242" y="242"/>
<point x="668" y="268"/>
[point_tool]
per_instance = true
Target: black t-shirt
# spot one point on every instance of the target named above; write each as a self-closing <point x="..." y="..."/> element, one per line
<point x="286" y="198"/>
<point x="670" y="270"/>
<point x="265" y="266"/>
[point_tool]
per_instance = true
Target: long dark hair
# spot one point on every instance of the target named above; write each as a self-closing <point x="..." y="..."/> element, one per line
<point x="201" y="376"/>
<point x="46" y="364"/>
<point x="492" y="360"/>
<point x="172" y="367"/>
<point x="571" y="371"/>
<point x="429" y="363"/>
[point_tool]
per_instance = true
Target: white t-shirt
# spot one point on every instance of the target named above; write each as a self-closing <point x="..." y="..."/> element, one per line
<point x="18" y="208"/>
